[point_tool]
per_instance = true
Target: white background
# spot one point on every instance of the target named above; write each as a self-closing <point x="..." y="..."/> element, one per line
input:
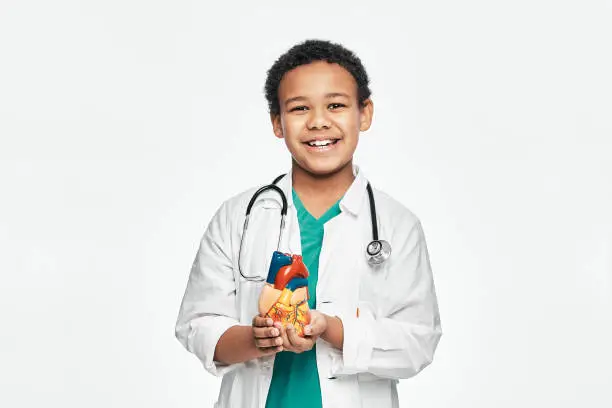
<point x="125" y="124"/>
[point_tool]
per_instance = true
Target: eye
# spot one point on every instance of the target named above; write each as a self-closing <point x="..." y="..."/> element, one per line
<point x="298" y="108"/>
<point x="336" y="105"/>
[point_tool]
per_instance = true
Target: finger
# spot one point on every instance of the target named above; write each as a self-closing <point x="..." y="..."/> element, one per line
<point x="262" y="321"/>
<point x="265" y="343"/>
<point x="292" y="336"/>
<point x="318" y="324"/>
<point x="259" y="321"/>
<point x="271" y="350"/>
<point x="296" y="341"/>
<point x="265" y="332"/>
<point x="311" y="327"/>
<point x="314" y="316"/>
<point x="315" y="328"/>
<point x="283" y="336"/>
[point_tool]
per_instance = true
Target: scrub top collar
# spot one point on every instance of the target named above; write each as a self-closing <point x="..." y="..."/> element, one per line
<point x="352" y="201"/>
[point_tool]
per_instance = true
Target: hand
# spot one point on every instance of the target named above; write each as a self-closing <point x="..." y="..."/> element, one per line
<point x="317" y="326"/>
<point x="267" y="337"/>
<point x="293" y="342"/>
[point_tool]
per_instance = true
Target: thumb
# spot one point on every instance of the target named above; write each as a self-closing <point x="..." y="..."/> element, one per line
<point x="316" y="325"/>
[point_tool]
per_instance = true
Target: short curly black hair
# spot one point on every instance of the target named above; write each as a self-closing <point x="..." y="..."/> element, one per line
<point x="310" y="51"/>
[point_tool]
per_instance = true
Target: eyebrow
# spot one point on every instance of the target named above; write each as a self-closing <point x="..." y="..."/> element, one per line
<point x="329" y="95"/>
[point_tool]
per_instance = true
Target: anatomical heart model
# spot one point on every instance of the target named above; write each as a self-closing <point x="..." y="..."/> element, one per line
<point x="284" y="297"/>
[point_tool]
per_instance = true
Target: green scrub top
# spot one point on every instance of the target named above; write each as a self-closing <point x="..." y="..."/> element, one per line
<point x="295" y="379"/>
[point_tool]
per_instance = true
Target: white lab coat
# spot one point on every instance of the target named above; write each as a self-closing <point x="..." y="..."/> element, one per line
<point x="398" y="328"/>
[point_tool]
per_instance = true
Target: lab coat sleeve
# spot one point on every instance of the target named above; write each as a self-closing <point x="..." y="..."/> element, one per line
<point x="208" y="307"/>
<point x="396" y="335"/>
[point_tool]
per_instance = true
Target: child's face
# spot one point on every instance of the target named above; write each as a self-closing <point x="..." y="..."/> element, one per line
<point x="318" y="101"/>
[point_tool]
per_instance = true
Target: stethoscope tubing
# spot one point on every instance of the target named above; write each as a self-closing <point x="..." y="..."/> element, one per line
<point x="375" y="241"/>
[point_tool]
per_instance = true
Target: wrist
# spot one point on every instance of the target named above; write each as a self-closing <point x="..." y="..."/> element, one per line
<point x="329" y="322"/>
<point x="334" y="332"/>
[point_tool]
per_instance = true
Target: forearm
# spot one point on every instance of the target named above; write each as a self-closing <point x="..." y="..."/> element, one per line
<point x="237" y="345"/>
<point x="334" y="334"/>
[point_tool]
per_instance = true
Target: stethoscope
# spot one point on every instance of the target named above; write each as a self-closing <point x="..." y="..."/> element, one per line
<point x="377" y="251"/>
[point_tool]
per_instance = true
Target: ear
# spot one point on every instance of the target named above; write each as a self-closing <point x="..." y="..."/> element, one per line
<point x="366" y="111"/>
<point x="276" y="125"/>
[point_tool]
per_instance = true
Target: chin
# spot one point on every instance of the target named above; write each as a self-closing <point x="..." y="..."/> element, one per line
<point x="321" y="168"/>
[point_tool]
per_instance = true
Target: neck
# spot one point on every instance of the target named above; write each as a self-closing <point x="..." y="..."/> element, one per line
<point x="330" y="186"/>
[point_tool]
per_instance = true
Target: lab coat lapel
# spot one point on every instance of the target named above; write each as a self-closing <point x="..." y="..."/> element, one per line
<point x="343" y="241"/>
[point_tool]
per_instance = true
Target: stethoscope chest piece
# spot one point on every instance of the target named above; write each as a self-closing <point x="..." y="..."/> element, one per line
<point x="378" y="251"/>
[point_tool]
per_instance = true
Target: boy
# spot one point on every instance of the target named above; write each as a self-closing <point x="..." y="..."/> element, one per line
<point x="370" y="325"/>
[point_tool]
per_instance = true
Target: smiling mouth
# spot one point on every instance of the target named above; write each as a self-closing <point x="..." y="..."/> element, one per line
<point x="322" y="143"/>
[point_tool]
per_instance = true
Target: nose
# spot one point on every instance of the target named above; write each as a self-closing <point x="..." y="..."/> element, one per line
<point x="318" y="119"/>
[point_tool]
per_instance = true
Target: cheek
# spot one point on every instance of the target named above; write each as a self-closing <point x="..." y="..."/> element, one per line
<point x="349" y="121"/>
<point x="293" y="127"/>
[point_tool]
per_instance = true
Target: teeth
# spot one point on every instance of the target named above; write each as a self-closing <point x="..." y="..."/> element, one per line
<point x="319" y="143"/>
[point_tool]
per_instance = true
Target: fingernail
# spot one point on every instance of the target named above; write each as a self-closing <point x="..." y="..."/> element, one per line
<point x="307" y="330"/>
<point x="274" y="332"/>
<point x="279" y="341"/>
